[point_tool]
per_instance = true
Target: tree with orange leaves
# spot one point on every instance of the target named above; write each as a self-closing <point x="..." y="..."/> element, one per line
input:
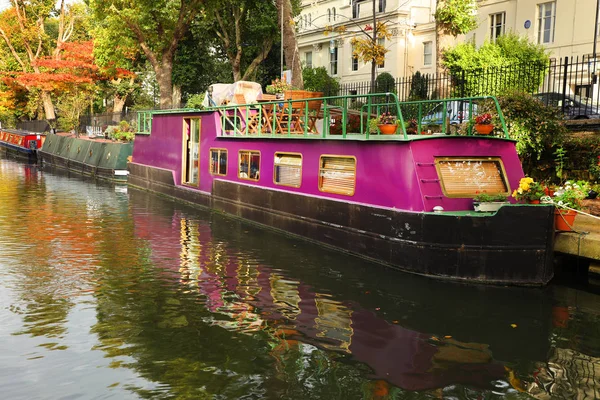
<point x="23" y="31"/>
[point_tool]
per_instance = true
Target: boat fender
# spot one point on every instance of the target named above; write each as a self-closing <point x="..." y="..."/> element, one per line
<point x="438" y="209"/>
<point x="33" y="145"/>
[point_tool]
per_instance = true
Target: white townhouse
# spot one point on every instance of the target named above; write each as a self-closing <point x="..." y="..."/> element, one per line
<point x="411" y="48"/>
<point x="564" y="27"/>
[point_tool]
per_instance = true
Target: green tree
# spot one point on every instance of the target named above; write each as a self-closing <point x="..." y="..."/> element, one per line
<point x="247" y="30"/>
<point x="522" y="65"/>
<point x="452" y="18"/>
<point x="157" y="28"/>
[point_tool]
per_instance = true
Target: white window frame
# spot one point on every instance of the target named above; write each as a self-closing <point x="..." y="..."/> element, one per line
<point x="307" y="55"/>
<point x="497" y="20"/>
<point x="428" y="53"/>
<point x="542" y="18"/>
<point x="333" y="54"/>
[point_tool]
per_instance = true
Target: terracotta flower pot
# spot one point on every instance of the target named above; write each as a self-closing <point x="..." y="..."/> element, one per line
<point x="484" y="129"/>
<point x="387" y="129"/>
<point x="533" y="201"/>
<point x="564" y="220"/>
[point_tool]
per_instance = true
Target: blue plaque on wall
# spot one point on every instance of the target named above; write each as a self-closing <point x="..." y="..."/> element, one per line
<point x="527" y="24"/>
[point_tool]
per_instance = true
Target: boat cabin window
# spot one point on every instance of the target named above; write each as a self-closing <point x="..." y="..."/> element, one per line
<point x="337" y="174"/>
<point x="218" y="161"/>
<point x="466" y="177"/>
<point x="287" y="170"/>
<point x="249" y="165"/>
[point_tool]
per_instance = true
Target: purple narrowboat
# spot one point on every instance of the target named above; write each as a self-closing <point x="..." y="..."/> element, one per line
<point x="21" y="144"/>
<point x="323" y="172"/>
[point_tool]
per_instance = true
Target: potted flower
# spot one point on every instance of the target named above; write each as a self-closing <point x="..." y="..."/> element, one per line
<point x="485" y="202"/>
<point x="567" y="199"/>
<point x="529" y="191"/>
<point x="277" y="87"/>
<point x="411" y="126"/>
<point x="387" y="123"/>
<point x="483" y="124"/>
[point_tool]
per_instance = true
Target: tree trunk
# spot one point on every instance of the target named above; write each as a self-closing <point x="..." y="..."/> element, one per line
<point x="48" y="106"/>
<point x="118" y="104"/>
<point x="164" y="78"/>
<point x="176" y="100"/>
<point x="290" y="44"/>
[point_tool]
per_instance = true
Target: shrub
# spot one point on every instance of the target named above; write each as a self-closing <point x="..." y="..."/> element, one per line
<point x="195" y="101"/>
<point x="318" y="80"/>
<point x="122" y="132"/>
<point x="538" y="130"/>
<point x="419" y="86"/>
<point x="385" y="83"/>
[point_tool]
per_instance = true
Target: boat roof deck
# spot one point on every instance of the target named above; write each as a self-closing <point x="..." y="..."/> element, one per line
<point x="354" y="117"/>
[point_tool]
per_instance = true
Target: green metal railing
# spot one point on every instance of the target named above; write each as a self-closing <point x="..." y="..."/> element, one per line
<point x="300" y="118"/>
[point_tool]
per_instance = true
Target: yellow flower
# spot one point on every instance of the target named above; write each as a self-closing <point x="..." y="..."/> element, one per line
<point x="520" y="191"/>
<point x="514" y="193"/>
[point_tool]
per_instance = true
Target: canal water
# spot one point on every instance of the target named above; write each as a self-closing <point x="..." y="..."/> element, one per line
<point x="108" y="292"/>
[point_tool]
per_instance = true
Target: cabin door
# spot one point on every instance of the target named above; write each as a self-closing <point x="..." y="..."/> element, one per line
<point x="191" y="152"/>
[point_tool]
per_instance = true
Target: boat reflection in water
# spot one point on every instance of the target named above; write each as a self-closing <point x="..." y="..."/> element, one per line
<point x="303" y="308"/>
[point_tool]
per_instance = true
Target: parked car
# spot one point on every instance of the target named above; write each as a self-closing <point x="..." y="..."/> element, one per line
<point x="458" y="112"/>
<point x="576" y="107"/>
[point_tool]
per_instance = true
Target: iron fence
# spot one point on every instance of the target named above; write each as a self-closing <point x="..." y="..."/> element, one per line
<point x="569" y="84"/>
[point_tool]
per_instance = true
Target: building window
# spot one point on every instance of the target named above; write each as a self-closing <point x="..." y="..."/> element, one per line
<point x="381" y="42"/>
<point x="355" y="9"/>
<point x="306" y="21"/>
<point x="249" y="165"/>
<point x="310" y="19"/>
<point x="497" y="25"/>
<point x="333" y="60"/>
<point x="427" y="53"/>
<point x="583" y="91"/>
<point x="466" y="177"/>
<point x="218" y="161"/>
<point x="546" y="21"/>
<point x="287" y="169"/>
<point x="337" y="174"/>
<point x="354" y="59"/>
<point x="328" y="15"/>
<point x="334" y="14"/>
<point x="308" y="59"/>
<point x="381" y="6"/>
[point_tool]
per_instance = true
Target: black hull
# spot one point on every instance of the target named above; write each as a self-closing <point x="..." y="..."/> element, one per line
<point x="512" y="247"/>
<point x="18" y="153"/>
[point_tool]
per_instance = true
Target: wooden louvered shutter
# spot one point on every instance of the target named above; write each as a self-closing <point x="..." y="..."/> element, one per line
<point x="288" y="169"/>
<point x="462" y="177"/>
<point x="337" y="175"/>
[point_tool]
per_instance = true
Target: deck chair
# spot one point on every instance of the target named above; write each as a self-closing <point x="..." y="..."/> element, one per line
<point x="291" y="117"/>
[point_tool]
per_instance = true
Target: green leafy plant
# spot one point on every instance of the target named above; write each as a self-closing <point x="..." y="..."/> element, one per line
<point x="529" y="190"/>
<point x="569" y="195"/>
<point x="318" y="80"/>
<point x="489" y="198"/>
<point x="538" y="130"/>
<point x="373" y="122"/>
<point x="560" y="158"/>
<point x="122" y="132"/>
<point x="278" y="86"/>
